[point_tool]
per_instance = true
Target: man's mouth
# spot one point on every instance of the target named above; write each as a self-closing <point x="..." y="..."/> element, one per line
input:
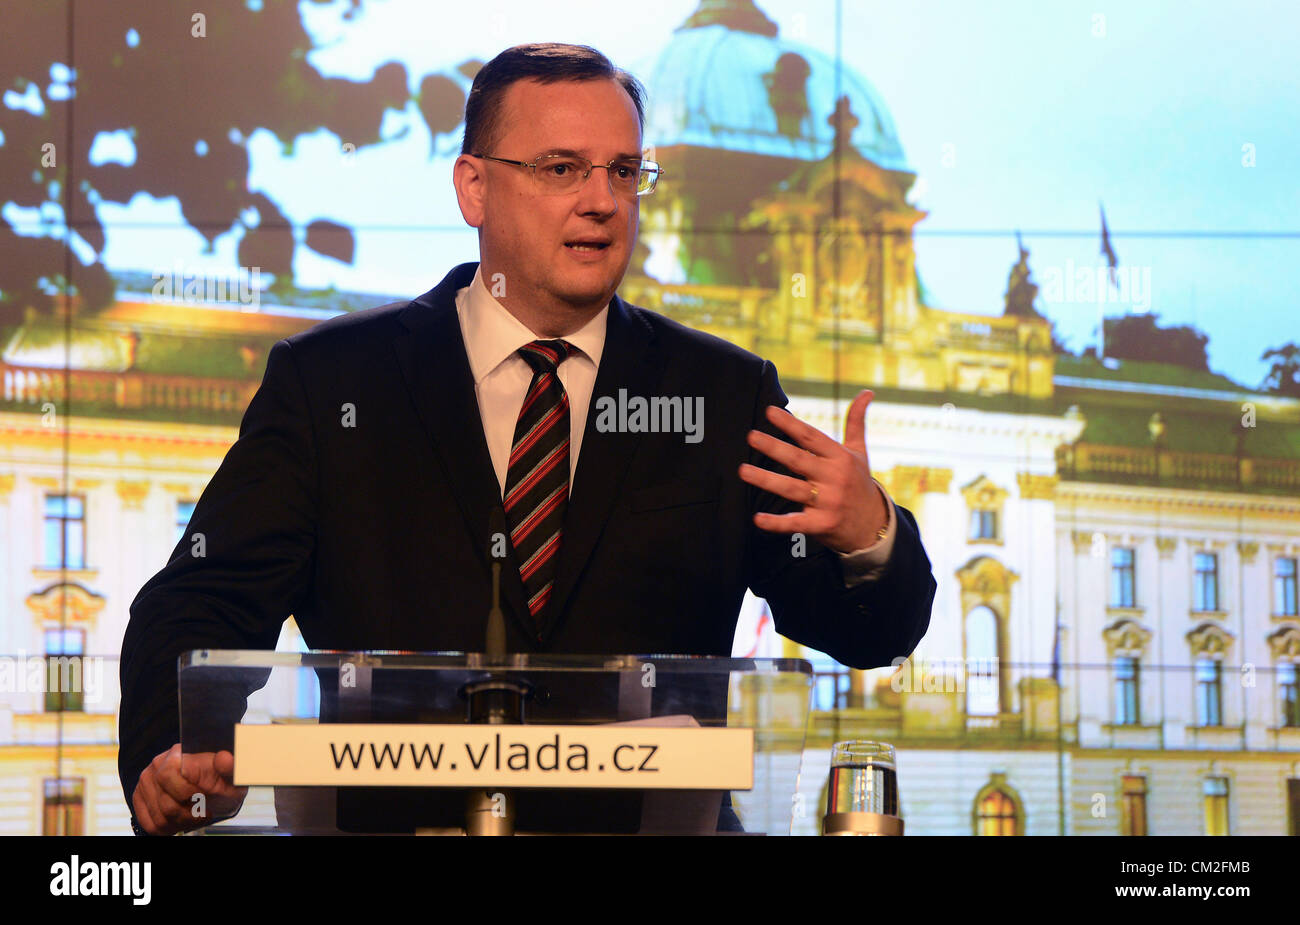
<point x="587" y="245"/>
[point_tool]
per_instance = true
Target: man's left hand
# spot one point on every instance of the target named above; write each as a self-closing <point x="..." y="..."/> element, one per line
<point x="843" y="508"/>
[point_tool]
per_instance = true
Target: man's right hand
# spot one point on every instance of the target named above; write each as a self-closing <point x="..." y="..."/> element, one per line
<point x="165" y="800"/>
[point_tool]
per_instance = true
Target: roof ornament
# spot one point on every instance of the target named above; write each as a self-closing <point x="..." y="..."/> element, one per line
<point x="738" y="15"/>
<point x="843" y="121"/>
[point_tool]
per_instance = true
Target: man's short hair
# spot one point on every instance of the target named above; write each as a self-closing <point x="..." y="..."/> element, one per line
<point x="547" y="62"/>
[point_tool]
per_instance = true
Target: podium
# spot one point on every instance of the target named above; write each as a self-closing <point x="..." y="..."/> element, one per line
<point x="340" y="743"/>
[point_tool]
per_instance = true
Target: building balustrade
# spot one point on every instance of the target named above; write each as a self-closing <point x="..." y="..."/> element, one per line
<point x="34" y="386"/>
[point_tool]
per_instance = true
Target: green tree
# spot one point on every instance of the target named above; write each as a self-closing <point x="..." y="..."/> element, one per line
<point x="1284" y="375"/>
<point x="1139" y="337"/>
<point x="189" y="127"/>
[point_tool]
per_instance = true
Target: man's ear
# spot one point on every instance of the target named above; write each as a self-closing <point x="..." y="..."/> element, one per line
<point x="470" y="179"/>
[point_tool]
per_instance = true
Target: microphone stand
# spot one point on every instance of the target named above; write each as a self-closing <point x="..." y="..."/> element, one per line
<point x="496" y="700"/>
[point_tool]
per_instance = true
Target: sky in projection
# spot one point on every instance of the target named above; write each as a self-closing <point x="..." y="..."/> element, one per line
<point x="1014" y="115"/>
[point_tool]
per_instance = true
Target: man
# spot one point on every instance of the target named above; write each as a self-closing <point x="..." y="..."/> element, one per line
<point x="369" y="464"/>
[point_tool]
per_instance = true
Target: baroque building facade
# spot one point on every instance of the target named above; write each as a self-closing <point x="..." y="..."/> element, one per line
<point x="1115" y="638"/>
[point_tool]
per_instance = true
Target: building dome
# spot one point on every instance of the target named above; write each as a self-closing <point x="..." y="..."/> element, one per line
<point x="726" y="80"/>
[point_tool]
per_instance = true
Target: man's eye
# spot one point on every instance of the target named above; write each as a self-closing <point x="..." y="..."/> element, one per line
<point x="561" y="168"/>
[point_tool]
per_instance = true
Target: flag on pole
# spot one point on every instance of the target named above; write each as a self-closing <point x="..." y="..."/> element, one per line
<point x="1106" y="250"/>
<point x="1112" y="262"/>
<point x="1056" y="646"/>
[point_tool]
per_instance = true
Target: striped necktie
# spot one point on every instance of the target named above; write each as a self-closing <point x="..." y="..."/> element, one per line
<point x="537" y="479"/>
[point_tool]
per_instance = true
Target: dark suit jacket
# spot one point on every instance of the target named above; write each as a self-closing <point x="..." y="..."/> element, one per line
<point x="376" y="536"/>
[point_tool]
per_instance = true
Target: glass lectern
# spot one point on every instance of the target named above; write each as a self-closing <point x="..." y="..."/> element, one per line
<point x="337" y="743"/>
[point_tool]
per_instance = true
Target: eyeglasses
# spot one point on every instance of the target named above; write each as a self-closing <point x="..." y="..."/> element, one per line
<point x="555" y="174"/>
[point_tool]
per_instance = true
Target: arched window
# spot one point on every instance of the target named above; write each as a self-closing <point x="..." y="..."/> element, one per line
<point x="995" y="814"/>
<point x="983" y="697"/>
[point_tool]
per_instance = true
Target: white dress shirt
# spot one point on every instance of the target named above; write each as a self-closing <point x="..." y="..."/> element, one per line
<point x="493" y="337"/>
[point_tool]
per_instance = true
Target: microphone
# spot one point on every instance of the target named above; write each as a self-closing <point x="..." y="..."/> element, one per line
<point x="497" y="699"/>
<point x="495" y="643"/>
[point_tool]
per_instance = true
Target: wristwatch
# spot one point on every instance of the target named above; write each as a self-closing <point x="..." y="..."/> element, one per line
<point x="883" y="532"/>
<point x="889" y="513"/>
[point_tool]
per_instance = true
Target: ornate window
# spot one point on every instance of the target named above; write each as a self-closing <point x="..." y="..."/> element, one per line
<point x="64" y="808"/>
<point x="997" y="815"/>
<point x="1215" y="791"/>
<point x="1126" y="642"/>
<point x="985" y="501"/>
<point x="1205" y="586"/>
<point x="1209" y="646"/>
<point x="998" y="810"/>
<point x="1285" y="646"/>
<point x="1209" y="692"/>
<point x="64" y="649"/>
<point x="65" y="532"/>
<point x="1127" y="690"/>
<point x="1284" y="587"/>
<point x="1122" y="592"/>
<point x="1288" y="695"/>
<point x="986" y="600"/>
<point x="982" y="687"/>
<point x="1133" y="818"/>
<point x="984" y="525"/>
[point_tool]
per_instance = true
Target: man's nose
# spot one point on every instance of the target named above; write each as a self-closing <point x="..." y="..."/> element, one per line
<point x="597" y="192"/>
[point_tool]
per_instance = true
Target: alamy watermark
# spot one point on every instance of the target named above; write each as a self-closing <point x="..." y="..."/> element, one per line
<point x="979" y="676"/>
<point x="1097" y="285"/>
<point x="75" y="877"/>
<point x="659" y="414"/>
<point x="179" y="285"/>
<point x="44" y="674"/>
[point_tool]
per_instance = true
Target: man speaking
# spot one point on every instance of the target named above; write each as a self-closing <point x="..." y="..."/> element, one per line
<point x="382" y="445"/>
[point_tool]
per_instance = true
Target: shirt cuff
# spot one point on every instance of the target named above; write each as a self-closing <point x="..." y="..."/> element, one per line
<point x="868" y="563"/>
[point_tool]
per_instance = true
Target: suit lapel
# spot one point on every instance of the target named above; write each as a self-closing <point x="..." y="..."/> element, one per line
<point x="630" y="360"/>
<point x="431" y="354"/>
<point x="434" y="363"/>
